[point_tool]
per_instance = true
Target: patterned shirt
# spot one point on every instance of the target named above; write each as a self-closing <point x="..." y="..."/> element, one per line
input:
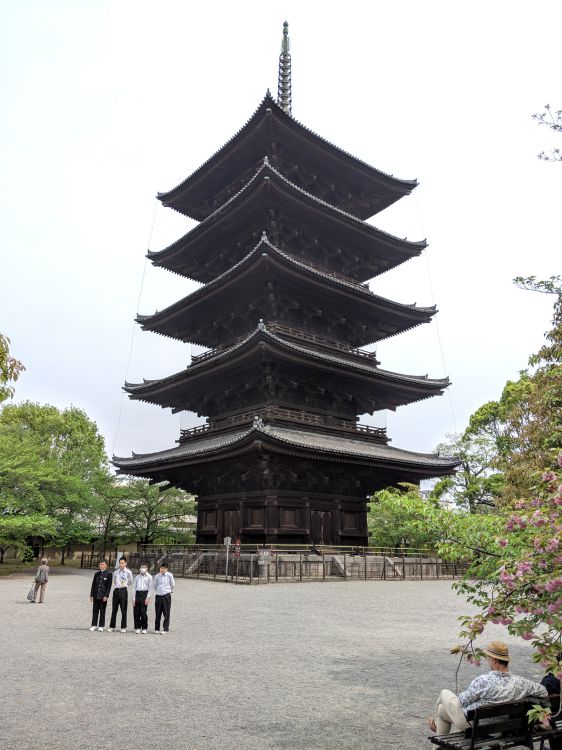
<point x="497" y="687"/>
<point x="122" y="578"/>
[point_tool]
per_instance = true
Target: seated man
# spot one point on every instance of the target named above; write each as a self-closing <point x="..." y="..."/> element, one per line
<point x="497" y="686"/>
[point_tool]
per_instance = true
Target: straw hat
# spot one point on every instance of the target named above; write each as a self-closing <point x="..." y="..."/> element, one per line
<point x="497" y="650"/>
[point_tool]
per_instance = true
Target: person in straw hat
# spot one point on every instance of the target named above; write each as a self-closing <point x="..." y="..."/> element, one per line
<point x="497" y="686"/>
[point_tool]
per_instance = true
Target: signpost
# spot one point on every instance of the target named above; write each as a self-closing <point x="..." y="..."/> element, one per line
<point x="227" y="542"/>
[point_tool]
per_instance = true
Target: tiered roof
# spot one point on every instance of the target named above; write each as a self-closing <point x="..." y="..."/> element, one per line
<point x="308" y="160"/>
<point x="244" y="287"/>
<point x="269" y="202"/>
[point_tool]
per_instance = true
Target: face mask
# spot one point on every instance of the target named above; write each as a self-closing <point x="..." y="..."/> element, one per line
<point x="143" y="570"/>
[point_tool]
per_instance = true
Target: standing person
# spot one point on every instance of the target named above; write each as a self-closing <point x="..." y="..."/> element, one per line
<point x="497" y="686"/>
<point x="41" y="580"/>
<point x="163" y="585"/>
<point x="122" y="579"/>
<point x="142" y="589"/>
<point x="99" y="594"/>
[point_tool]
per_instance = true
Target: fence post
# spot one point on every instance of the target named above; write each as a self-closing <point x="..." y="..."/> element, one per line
<point x="365" y="554"/>
<point x="237" y="567"/>
<point x="421" y="569"/>
<point x="323" y="568"/>
<point x="215" y="567"/>
<point x="344" y="567"/>
<point x="251" y="568"/>
<point x="403" y="567"/>
<point x="300" y="566"/>
<point x="276" y="568"/>
<point x="183" y="566"/>
<point x="82" y="559"/>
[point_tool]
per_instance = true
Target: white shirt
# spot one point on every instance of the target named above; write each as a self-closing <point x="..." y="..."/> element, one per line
<point x="143" y="583"/>
<point x="122" y="578"/>
<point x="164" y="583"/>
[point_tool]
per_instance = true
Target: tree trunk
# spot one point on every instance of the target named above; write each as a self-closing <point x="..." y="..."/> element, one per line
<point x="62" y="555"/>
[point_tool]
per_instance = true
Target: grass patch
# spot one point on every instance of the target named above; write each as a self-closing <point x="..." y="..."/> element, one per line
<point x="16" y="566"/>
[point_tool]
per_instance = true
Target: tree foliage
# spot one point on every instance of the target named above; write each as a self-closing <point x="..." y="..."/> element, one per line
<point x="50" y="463"/>
<point x="553" y="120"/>
<point x="476" y="485"/>
<point x="10" y="369"/>
<point x="150" y="514"/>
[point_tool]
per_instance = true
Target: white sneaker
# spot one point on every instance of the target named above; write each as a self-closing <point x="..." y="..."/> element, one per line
<point x="92" y="628"/>
<point x="123" y="630"/>
<point x="101" y="630"/>
<point x="136" y="631"/>
<point x="110" y="630"/>
<point x="143" y="632"/>
<point x="160" y="632"/>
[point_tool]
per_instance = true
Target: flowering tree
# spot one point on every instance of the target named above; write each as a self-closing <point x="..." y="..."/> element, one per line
<point x="517" y="580"/>
<point x="553" y="120"/>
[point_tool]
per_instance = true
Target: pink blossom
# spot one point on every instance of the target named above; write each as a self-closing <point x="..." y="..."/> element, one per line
<point x="549" y="476"/>
<point x="527" y="635"/>
<point x="553" y="545"/>
<point x="502" y="542"/>
<point x="553" y="585"/>
<point x="523" y="567"/>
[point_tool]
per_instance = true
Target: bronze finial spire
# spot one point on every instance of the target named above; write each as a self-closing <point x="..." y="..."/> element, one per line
<point x="284" y="80"/>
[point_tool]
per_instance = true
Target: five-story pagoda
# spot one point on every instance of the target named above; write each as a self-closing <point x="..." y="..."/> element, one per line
<point x="284" y="252"/>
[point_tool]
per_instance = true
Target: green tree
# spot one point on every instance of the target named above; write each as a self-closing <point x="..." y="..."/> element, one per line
<point x="50" y="463"/>
<point x="10" y="369"/>
<point x="400" y="517"/>
<point x="151" y="514"/>
<point x="476" y="485"/>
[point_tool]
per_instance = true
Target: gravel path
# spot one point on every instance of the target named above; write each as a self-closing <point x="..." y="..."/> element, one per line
<point x="311" y="666"/>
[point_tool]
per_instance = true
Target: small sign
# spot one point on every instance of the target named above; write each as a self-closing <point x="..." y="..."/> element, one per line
<point x="228" y="541"/>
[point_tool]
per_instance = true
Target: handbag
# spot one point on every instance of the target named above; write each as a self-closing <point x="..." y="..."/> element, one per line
<point x="31" y="593"/>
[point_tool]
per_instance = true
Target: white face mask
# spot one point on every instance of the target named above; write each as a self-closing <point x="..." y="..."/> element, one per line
<point x="143" y="571"/>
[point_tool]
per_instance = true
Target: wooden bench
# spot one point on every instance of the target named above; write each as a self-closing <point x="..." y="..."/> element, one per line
<point x="500" y="726"/>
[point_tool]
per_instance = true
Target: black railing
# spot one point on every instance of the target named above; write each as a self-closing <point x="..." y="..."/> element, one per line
<point x="268" y="565"/>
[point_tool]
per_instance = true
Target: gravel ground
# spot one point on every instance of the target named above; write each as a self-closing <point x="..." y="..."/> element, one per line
<point x="312" y="666"/>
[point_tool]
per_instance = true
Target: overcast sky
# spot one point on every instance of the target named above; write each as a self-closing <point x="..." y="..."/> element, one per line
<point x="105" y="103"/>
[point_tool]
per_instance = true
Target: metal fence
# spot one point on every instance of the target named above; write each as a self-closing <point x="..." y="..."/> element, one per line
<point x="269" y="565"/>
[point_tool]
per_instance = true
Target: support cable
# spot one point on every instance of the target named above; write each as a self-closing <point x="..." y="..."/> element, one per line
<point x="435" y="321"/>
<point x="134" y="328"/>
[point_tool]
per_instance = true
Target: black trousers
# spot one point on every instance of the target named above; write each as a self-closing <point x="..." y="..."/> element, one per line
<point x="120" y="597"/>
<point x="163" y="606"/>
<point x="99" y="611"/>
<point x="139" y="611"/>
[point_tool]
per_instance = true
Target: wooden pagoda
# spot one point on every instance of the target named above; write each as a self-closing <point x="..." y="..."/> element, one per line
<point x="284" y="252"/>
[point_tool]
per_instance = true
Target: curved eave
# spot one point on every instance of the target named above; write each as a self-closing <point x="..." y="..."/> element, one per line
<point x="265" y="252"/>
<point x="420" y="387"/>
<point x="265" y="177"/>
<point x="305" y="443"/>
<point x="174" y="197"/>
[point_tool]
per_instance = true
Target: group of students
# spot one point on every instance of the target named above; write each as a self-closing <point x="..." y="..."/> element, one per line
<point x="142" y="588"/>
